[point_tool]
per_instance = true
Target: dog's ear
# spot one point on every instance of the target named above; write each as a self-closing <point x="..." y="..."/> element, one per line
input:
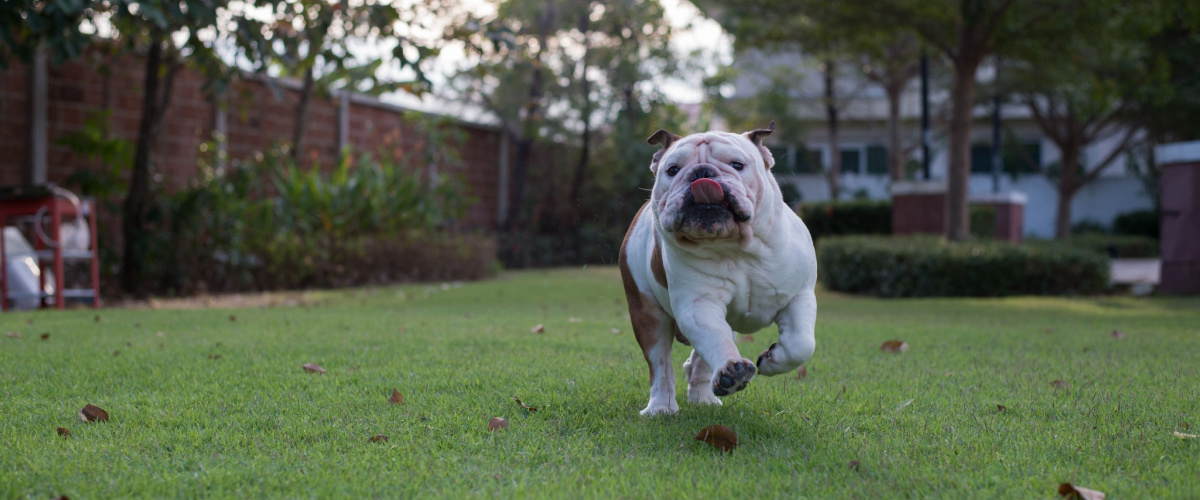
<point x="661" y="137"/>
<point x="756" y="137"/>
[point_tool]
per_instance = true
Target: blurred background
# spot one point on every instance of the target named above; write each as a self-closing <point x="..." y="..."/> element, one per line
<point x="203" y="146"/>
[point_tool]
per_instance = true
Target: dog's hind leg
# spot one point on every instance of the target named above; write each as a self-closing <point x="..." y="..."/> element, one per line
<point x="797" y="341"/>
<point x="699" y="377"/>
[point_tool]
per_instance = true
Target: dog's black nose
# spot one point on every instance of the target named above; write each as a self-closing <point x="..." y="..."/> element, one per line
<point x="702" y="173"/>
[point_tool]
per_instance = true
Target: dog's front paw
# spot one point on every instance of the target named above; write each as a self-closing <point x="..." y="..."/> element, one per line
<point x="660" y="408"/>
<point x="733" y="377"/>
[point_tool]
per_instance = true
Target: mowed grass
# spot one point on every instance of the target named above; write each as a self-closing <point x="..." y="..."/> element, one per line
<point x="252" y="423"/>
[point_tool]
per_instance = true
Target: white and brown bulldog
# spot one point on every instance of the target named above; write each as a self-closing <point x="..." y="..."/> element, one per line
<point x="716" y="252"/>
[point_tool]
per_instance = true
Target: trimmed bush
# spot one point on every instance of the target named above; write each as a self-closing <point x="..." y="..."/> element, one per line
<point x="931" y="267"/>
<point x="846" y="217"/>
<point x="1139" y="223"/>
<point x="1117" y="246"/>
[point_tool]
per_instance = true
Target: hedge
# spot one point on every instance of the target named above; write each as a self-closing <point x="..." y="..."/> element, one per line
<point x="1117" y="246"/>
<point x="931" y="267"/>
<point x="846" y="217"/>
<point x="1139" y="222"/>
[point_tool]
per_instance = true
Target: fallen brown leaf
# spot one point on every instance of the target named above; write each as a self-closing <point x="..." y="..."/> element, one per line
<point x="525" y="406"/>
<point x="853" y="465"/>
<point x="573" y="320"/>
<point x="538" y="329"/>
<point x="232" y="318"/>
<point x="1001" y="408"/>
<point x="801" y="372"/>
<point x="313" y="368"/>
<point x="96" y="319"/>
<point x="160" y="334"/>
<point x="12" y="335"/>
<point x="1181" y="435"/>
<point x="29" y="322"/>
<point x="1117" y="334"/>
<point x="1061" y="384"/>
<point x="45" y="336"/>
<point x="93" y="413"/>
<point x="1068" y="490"/>
<point x="497" y="423"/>
<point x="381" y="437"/>
<point x="746" y="338"/>
<point x="116" y="353"/>
<point x="214" y="356"/>
<point x="894" y="346"/>
<point x="64" y="432"/>
<point x="719" y="436"/>
<point x="396" y="398"/>
<point x="616" y="331"/>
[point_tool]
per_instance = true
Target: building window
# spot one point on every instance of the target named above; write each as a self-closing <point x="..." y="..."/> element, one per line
<point x="1023" y="159"/>
<point x="809" y="161"/>
<point x="851" y="161"/>
<point x="784" y="160"/>
<point x="877" y="160"/>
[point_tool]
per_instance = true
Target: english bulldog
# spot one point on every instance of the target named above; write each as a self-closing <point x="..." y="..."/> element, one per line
<point x="714" y="253"/>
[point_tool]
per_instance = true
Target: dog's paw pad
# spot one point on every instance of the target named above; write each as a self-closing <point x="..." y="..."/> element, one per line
<point x="734" y="377"/>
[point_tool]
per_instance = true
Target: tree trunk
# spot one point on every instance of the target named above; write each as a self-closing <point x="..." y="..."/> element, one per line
<point x="1068" y="185"/>
<point x="138" y="197"/>
<point x="962" y="99"/>
<point x="834" y="174"/>
<point x="895" y="147"/>
<point x="300" y="128"/>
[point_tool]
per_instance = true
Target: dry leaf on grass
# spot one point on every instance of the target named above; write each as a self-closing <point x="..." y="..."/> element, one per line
<point x="1001" y="408"/>
<point x="525" y="406"/>
<point x="96" y="319"/>
<point x="1061" y="384"/>
<point x="1181" y="435"/>
<point x="719" y="436"/>
<point x="853" y="465"/>
<point x="573" y="319"/>
<point x="1117" y="334"/>
<point x="116" y="353"/>
<point x="160" y="334"/>
<point x="381" y="437"/>
<point x="396" y="398"/>
<point x="746" y="338"/>
<point x="616" y="331"/>
<point x="45" y="336"/>
<point x="64" y="432"/>
<point x="214" y="356"/>
<point x="801" y="372"/>
<point x="1068" y="490"/>
<point x="12" y="335"/>
<point x="538" y="329"/>
<point x="232" y="318"/>
<point x="894" y="346"/>
<point x="497" y="423"/>
<point x="313" y="368"/>
<point x="93" y="413"/>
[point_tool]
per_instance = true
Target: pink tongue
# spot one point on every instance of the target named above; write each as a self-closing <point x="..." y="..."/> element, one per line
<point x="707" y="192"/>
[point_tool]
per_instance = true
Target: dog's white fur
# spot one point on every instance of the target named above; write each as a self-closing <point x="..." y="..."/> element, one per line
<point x="721" y="279"/>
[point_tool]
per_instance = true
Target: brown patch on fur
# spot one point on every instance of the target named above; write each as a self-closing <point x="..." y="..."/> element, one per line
<point x="656" y="265"/>
<point x="641" y="306"/>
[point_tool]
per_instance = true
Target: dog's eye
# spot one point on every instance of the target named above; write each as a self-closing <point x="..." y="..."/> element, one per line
<point x="737" y="165"/>
<point x="673" y="170"/>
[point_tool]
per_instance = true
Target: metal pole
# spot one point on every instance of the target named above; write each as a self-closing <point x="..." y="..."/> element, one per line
<point x="925" y="160"/>
<point x="997" y="157"/>
<point x="38" y="143"/>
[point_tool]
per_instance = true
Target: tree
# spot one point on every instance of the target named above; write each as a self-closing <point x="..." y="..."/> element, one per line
<point x="892" y="61"/>
<point x="310" y="40"/>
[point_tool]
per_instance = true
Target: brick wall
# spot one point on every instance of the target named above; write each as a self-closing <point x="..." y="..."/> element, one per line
<point x="256" y="117"/>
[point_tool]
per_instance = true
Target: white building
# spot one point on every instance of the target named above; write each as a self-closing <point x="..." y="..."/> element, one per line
<point x="863" y="144"/>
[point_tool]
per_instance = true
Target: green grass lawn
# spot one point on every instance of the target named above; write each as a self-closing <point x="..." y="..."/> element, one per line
<point x="252" y="423"/>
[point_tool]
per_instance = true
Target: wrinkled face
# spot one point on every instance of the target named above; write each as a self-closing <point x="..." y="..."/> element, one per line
<point x="707" y="186"/>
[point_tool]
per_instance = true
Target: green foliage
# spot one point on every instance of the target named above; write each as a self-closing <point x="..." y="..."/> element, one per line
<point x="846" y="217"/>
<point x="931" y="267"/>
<point x="1145" y="223"/>
<point x="1117" y="246"/>
<point x="113" y="156"/>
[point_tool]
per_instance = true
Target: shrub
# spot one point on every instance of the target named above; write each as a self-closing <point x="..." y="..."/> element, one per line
<point x="846" y="217"/>
<point x="1116" y="246"/>
<point x="928" y="267"/>
<point x="1139" y="223"/>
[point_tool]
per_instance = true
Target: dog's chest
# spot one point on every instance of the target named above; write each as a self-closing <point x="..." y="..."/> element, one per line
<point x="757" y="297"/>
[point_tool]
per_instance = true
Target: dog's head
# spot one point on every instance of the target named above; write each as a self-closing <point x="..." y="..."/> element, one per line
<point x="710" y="186"/>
